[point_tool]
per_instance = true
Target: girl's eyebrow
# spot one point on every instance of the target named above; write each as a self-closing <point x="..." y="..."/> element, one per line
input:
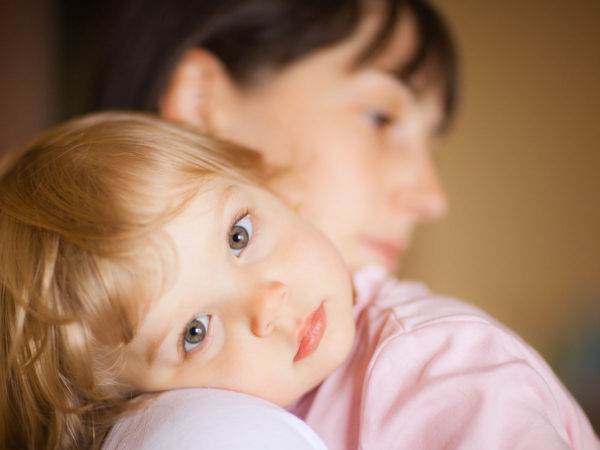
<point x="226" y="195"/>
<point x="154" y="343"/>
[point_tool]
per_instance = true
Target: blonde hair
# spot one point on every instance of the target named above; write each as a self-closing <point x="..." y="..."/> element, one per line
<point x="81" y="208"/>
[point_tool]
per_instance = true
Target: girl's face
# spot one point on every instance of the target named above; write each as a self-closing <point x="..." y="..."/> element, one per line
<point x="357" y="141"/>
<point x="258" y="301"/>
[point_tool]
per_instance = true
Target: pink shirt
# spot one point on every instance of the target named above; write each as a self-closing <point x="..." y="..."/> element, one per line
<point x="429" y="372"/>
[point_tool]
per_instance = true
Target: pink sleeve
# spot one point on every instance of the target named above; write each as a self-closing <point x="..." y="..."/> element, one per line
<point x="467" y="384"/>
<point x="212" y="418"/>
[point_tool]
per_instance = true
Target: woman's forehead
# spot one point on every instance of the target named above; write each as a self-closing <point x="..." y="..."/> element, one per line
<point x="397" y="48"/>
<point x="395" y="51"/>
<point x="413" y="47"/>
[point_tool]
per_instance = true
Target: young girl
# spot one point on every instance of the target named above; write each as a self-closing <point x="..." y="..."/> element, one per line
<point x="139" y="257"/>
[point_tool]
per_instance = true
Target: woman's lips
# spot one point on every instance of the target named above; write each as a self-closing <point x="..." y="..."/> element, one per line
<point x="388" y="252"/>
<point x="311" y="333"/>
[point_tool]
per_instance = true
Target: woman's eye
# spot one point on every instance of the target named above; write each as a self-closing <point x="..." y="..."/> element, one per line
<point x="195" y="332"/>
<point x="240" y="235"/>
<point x="379" y="119"/>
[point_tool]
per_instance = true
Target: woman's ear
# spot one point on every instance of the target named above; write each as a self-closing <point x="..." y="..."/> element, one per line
<point x="198" y="89"/>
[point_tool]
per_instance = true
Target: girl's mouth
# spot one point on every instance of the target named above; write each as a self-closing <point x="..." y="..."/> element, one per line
<point x="311" y="333"/>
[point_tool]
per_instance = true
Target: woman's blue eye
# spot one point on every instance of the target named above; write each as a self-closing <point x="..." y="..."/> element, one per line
<point x="240" y="235"/>
<point x="195" y="332"/>
<point x="379" y="119"/>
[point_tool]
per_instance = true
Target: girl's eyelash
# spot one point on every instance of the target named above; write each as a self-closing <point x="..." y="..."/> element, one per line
<point x="245" y="232"/>
<point x="239" y="216"/>
<point x="181" y="340"/>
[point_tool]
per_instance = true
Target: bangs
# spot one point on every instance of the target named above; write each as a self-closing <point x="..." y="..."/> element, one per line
<point x="434" y="55"/>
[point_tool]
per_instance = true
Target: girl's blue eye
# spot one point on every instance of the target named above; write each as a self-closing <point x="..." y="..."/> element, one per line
<point x="379" y="119"/>
<point x="195" y="332"/>
<point x="240" y="235"/>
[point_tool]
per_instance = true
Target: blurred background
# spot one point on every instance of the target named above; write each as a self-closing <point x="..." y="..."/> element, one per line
<point x="521" y="164"/>
<point x="522" y="169"/>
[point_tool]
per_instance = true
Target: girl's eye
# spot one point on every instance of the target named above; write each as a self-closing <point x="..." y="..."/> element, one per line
<point x="379" y="119"/>
<point x="240" y="235"/>
<point x="195" y="332"/>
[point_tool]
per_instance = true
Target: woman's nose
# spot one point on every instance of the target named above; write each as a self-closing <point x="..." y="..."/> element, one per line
<point x="265" y="307"/>
<point x="418" y="190"/>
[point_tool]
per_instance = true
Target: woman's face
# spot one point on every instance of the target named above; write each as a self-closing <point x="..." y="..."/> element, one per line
<point x="356" y="142"/>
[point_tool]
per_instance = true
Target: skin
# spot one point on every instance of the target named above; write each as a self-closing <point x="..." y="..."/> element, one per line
<point x="355" y="142"/>
<point x="256" y="301"/>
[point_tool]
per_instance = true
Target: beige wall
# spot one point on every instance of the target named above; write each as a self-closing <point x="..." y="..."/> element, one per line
<point x="522" y="169"/>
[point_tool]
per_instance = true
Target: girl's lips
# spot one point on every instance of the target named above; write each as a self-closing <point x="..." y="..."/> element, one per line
<point x="311" y="333"/>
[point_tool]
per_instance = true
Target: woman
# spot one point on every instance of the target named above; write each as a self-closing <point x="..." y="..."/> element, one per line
<point x="345" y="97"/>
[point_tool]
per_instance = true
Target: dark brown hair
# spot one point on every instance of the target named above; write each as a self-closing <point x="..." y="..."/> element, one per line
<point x="144" y="41"/>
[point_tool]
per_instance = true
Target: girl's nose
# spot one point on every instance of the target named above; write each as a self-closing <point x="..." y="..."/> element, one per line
<point x="265" y="307"/>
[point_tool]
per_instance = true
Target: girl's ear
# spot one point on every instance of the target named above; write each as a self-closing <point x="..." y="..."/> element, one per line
<point x="199" y="90"/>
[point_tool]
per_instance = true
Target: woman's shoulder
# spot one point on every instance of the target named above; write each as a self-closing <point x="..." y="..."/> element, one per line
<point x="211" y="418"/>
<point x="412" y="304"/>
<point x="453" y="368"/>
<point x="407" y="317"/>
<point x="421" y="335"/>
